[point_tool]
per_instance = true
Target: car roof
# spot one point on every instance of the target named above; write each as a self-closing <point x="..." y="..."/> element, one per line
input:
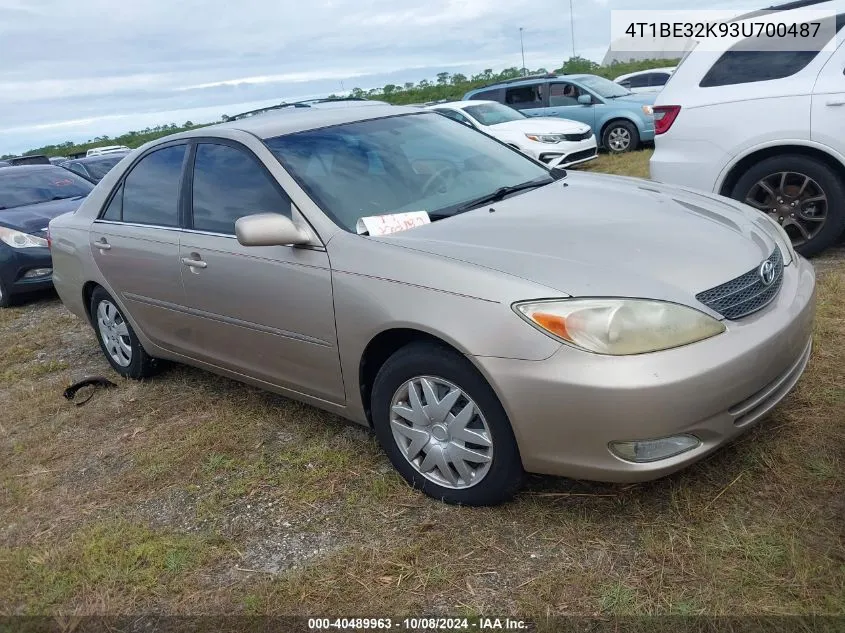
<point x="530" y="80"/>
<point x="97" y="157"/>
<point x="290" y="121"/>
<point x="663" y="69"/>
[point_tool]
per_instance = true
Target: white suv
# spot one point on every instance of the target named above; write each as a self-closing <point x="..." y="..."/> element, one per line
<point x="766" y="128"/>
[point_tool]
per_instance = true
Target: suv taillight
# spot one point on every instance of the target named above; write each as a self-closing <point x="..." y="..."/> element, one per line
<point x="664" y="117"/>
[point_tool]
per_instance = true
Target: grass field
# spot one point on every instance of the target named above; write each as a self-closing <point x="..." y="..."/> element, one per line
<point x="192" y="493"/>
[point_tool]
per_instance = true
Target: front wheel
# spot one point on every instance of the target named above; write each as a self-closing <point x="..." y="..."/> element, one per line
<point x="802" y="194"/>
<point x="5" y="297"/>
<point x="620" y="137"/>
<point x="443" y="428"/>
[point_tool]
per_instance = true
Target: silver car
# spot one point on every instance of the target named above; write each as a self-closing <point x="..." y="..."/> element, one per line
<point x="525" y="319"/>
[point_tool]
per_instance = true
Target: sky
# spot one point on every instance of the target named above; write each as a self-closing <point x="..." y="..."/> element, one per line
<point x="77" y="70"/>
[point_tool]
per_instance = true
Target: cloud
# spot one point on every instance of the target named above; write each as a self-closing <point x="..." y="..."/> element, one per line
<point x="71" y="67"/>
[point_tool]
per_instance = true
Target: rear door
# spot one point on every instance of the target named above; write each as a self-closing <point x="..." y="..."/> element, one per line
<point x="135" y="244"/>
<point x="266" y="312"/>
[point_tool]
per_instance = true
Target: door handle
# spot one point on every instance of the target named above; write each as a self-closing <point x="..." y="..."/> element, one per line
<point x="838" y="102"/>
<point x="194" y="263"/>
<point x="102" y="244"/>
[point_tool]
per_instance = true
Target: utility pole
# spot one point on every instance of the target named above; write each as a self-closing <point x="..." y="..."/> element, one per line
<point x="522" y="48"/>
<point x="572" y="27"/>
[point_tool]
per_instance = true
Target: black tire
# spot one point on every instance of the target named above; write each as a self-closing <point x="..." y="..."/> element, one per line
<point x="505" y="474"/>
<point x="5" y="297"/>
<point x="827" y="179"/>
<point x="141" y="364"/>
<point x="626" y="127"/>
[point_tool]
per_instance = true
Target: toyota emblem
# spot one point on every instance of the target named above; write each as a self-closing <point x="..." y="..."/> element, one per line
<point x="767" y="272"/>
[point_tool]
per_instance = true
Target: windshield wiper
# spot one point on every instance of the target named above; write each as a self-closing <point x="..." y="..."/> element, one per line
<point x="500" y="194"/>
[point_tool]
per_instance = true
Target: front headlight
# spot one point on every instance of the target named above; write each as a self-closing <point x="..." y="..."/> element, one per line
<point x="648" y="110"/>
<point x="546" y="138"/>
<point x="17" y="239"/>
<point x="619" y="327"/>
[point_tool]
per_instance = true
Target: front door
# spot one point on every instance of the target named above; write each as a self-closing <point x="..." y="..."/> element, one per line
<point x="828" y="109"/>
<point x="563" y="103"/>
<point x="135" y="244"/>
<point x="265" y="312"/>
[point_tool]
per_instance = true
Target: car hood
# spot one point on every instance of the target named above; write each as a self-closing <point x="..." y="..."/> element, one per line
<point x="542" y="125"/>
<point x="33" y="218"/>
<point x="595" y="235"/>
<point x="643" y="98"/>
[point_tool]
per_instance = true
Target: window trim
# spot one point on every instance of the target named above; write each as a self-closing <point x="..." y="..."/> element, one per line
<point x="187" y="199"/>
<point x="121" y="181"/>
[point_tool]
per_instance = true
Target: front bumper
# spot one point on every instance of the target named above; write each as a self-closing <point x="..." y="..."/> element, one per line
<point x="566" y="410"/>
<point x="16" y="262"/>
<point x="564" y="154"/>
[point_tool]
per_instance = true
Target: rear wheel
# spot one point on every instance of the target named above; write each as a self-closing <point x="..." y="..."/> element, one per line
<point x="443" y="427"/>
<point x="802" y="194"/>
<point x="620" y="137"/>
<point x="118" y="340"/>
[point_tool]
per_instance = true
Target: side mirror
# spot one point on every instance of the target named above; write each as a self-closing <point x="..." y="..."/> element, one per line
<point x="585" y="100"/>
<point x="269" y="229"/>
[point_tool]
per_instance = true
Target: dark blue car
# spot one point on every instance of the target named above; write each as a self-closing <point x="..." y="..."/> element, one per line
<point x="31" y="196"/>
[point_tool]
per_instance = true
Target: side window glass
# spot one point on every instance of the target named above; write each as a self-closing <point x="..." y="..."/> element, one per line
<point x="564" y="94"/>
<point x="151" y="189"/>
<point x="487" y="95"/>
<point x="738" y="66"/>
<point x="228" y="184"/>
<point x="524" y="97"/>
<point x="114" y="211"/>
<point x="658" y="79"/>
<point x="640" y="81"/>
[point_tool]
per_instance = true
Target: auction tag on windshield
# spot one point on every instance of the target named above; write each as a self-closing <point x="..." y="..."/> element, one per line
<point x="391" y="223"/>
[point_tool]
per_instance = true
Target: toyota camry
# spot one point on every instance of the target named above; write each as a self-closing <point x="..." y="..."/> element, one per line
<point x="486" y="315"/>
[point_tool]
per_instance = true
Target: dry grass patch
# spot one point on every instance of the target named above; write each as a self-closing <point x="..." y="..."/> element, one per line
<point x="632" y="164"/>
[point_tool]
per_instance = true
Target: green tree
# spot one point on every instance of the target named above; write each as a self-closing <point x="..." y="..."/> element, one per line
<point x="442" y="79"/>
<point x="458" y="79"/>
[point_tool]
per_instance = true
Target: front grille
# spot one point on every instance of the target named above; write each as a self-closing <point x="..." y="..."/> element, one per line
<point x="586" y="153"/>
<point x="745" y="294"/>
<point x="582" y="136"/>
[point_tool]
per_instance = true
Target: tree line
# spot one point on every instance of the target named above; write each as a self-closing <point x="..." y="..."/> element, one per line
<point x="444" y="86"/>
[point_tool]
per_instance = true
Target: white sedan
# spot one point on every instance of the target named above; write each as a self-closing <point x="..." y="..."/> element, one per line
<point x="551" y="140"/>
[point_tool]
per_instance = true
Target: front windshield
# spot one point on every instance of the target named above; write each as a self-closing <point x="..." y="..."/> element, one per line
<point x="20" y="187"/>
<point x="493" y="113"/>
<point x="418" y="162"/>
<point x="604" y="87"/>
